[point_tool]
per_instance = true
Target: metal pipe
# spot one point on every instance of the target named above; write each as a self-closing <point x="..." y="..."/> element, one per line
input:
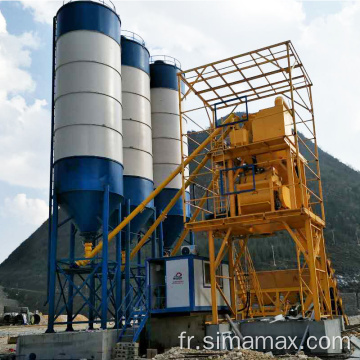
<point x="192" y="238"/>
<point x="213" y="278"/>
<point x="92" y="298"/>
<point x="70" y="306"/>
<point x="51" y="149"/>
<point x="153" y="239"/>
<point x="52" y="268"/>
<point x="138" y="262"/>
<point x="161" y="239"/>
<point x="105" y="266"/>
<point x="118" y="289"/>
<point x="127" y="257"/>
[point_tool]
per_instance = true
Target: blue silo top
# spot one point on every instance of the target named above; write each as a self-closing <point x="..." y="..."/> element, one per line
<point x="164" y="75"/>
<point x="135" y="54"/>
<point x="88" y="15"/>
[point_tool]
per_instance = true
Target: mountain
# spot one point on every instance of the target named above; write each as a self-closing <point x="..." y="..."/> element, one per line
<point x="23" y="275"/>
<point x="341" y="194"/>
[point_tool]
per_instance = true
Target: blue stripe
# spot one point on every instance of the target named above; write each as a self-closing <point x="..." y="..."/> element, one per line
<point x="134" y="54"/>
<point x="79" y="183"/>
<point x="82" y="173"/>
<point x="164" y="76"/>
<point x="88" y="15"/>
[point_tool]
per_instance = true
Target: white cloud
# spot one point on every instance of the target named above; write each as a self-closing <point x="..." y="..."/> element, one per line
<point x="30" y="211"/>
<point x="24" y="142"/>
<point x="2" y="24"/>
<point x="329" y="48"/>
<point x="43" y="11"/>
<point x="24" y="127"/>
<point x="198" y="32"/>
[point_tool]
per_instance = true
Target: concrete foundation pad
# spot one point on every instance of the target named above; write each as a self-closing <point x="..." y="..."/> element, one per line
<point x="96" y="345"/>
<point x="268" y="334"/>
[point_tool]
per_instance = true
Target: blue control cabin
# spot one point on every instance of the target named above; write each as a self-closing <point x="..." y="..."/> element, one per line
<point x="182" y="284"/>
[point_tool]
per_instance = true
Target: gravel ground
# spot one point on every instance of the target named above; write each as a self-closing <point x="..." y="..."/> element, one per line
<point x="189" y="354"/>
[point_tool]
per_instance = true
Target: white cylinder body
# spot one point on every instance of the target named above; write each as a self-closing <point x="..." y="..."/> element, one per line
<point x="88" y="102"/>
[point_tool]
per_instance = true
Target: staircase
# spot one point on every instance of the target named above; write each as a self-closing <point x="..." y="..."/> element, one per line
<point x="247" y="281"/>
<point x="134" y="313"/>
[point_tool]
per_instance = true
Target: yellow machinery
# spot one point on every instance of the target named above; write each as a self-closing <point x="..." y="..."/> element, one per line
<point x="255" y="174"/>
<point x="262" y="177"/>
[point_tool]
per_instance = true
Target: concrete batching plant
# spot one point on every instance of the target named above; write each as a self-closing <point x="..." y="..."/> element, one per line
<point x="120" y="170"/>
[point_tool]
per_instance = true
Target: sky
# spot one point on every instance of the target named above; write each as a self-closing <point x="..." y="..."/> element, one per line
<point x="326" y="35"/>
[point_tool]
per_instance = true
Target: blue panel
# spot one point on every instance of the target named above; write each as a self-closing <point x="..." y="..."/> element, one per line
<point x="88" y="173"/>
<point x="134" y="54"/>
<point x="163" y="75"/>
<point x="79" y="183"/>
<point x="191" y="282"/>
<point x="174" y="222"/>
<point x="88" y="15"/>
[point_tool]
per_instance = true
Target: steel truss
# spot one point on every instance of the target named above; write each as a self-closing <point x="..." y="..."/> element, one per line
<point x="226" y="93"/>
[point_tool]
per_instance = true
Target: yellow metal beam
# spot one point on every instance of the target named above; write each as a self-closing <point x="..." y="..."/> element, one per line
<point x="215" y="317"/>
<point x="296" y="240"/>
<point x="193" y="218"/>
<point x="222" y="252"/>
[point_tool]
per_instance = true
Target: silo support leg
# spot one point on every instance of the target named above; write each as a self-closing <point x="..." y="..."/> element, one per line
<point x="70" y="305"/>
<point x="105" y="252"/>
<point x="153" y="239"/>
<point x="118" y="273"/>
<point x="127" y="258"/>
<point x="161" y="239"/>
<point x="52" y="264"/>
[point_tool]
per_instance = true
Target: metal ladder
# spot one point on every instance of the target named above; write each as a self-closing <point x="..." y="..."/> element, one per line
<point x="135" y="311"/>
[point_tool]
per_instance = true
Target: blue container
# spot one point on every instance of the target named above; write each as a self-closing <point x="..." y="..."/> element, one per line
<point x="166" y="145"/>
<point x="87" y="116"/>
<point x="138" y="169"/>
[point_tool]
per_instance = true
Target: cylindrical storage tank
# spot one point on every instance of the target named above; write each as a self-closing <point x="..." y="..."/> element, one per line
<point x="88" y="151"/>
<point x="137" y="147"/>
<point x="167" y="142"/>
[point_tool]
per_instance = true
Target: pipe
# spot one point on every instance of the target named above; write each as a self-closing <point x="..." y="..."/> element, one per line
<point x="51" y="151"/>
<point x="127" y="260"/>
<point x="153" y="240"/>
<point x="52" y="268"/>
<point x="70" y="307"/>
<point x="161" y="240"/>
<point x="105" y="264"/>
<point x="231" y="118"/>
<point x="118" y="287"/>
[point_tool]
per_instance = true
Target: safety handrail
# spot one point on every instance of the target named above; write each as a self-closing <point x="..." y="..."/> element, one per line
<point x="166" y="59"/>
<point x="104" y="2"/>
<point x="133" y="36"/>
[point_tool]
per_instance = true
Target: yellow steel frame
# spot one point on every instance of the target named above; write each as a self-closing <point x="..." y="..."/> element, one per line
<point x="259" y="75"/>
